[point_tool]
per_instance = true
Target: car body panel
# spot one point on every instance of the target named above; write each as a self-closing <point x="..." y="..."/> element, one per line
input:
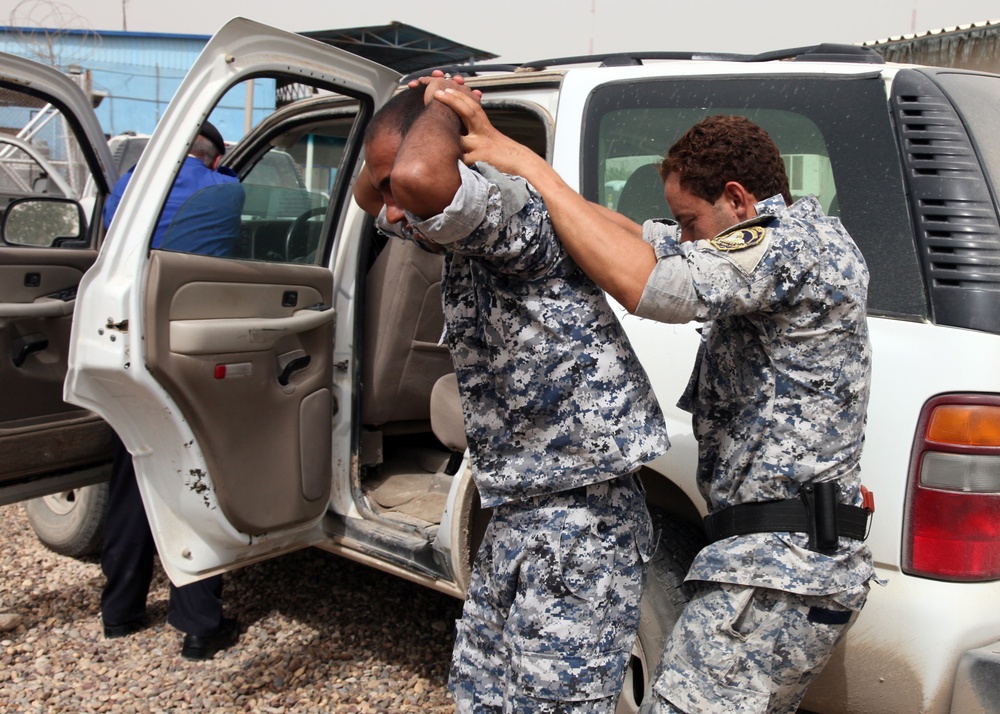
<point x="904" y="650"/>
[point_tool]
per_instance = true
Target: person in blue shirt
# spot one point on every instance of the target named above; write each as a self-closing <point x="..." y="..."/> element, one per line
<point x="202" y="212"/>
<point x="192" y="223"/>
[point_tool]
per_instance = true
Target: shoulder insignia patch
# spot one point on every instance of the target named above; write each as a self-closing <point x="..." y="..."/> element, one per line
<point x="739" y="239"/>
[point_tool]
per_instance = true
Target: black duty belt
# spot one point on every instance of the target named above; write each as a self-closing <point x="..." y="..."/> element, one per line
<point x="816" y="513"/>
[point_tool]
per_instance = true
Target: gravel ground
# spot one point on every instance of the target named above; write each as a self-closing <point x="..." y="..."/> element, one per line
<point x="318" y="633"/>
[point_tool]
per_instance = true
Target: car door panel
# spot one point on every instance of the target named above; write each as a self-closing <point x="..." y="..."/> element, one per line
<point x="255" y="464"/>
<point x="217" y="372"/>
<point x="43" y="440"/>
<point x="39" y="432"/>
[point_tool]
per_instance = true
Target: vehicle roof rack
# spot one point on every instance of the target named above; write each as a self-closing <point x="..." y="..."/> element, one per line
<point x="466" y="70"/>
<point x="824" y="52"/>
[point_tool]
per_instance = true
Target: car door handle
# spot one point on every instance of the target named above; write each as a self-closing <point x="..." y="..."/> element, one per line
<point x="292" y="367"/>
<point x="27" y="346"/>
<point x="42" y="307"/>
<point x="251" y="334"/>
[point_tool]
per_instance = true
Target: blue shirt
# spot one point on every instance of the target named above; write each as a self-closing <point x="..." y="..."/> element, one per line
<point x="202" y="211"/>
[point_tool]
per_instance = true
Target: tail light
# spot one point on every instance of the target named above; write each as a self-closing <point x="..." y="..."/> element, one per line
<point x="951" y="524"/>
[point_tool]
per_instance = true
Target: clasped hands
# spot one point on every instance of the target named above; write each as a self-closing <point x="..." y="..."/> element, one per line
<point x="481" y="140"/>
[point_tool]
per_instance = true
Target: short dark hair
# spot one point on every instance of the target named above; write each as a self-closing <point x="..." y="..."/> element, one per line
<point x="208" y="145"/>
<point x="721" y="148"/>
<point x="398" y="114"/>
<point x="204" y="150"/>
<point x="209" y="131"/>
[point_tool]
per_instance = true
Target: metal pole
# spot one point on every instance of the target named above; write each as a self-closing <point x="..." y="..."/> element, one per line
<point x="248" y="110"/>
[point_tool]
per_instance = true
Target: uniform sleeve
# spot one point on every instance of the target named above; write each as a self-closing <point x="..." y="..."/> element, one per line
<point x="695" y="281"/>
<point x="498" y="219"/>
<point x="465" y="213"/>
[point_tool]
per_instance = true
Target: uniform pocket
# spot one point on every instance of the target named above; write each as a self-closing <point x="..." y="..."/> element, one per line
<point x="586" y="555"/>
<point x="553" y="677"/>
<point x="696" y="690"/>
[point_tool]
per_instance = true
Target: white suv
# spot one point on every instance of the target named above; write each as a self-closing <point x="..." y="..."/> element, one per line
<point x="295" y="392"/>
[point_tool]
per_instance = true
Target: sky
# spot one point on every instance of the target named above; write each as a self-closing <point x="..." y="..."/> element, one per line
<point x="521" y="30"/>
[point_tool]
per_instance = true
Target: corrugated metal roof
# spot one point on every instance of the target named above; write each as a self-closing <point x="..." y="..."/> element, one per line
<point x="402" y="47"/>
<point x="931" y="33"/>
<point x="975" y="46"/>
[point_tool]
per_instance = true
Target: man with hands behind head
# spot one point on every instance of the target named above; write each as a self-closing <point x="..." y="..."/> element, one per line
<point x="778" y="395"/>
<point x="558" y="413"/>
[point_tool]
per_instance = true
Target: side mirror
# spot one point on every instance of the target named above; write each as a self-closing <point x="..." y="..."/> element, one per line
<point x="44" y="222"/>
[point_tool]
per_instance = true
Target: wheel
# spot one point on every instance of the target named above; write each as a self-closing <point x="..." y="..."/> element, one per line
<point x="70" y="522"/>
<point x="662" y="602"/>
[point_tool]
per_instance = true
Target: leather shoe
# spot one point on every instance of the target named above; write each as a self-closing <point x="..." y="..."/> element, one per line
<point x="123" y="630"/>
<point x="201" y="647"/>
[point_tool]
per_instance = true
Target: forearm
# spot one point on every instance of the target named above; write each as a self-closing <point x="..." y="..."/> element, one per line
<point x="610" y="249"/>
<point x="619" y="219"/>
<point x="366" y="195"/>
<point x="606" y="245"/>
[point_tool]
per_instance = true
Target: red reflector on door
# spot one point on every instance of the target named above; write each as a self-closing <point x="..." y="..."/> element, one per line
<point x="236" y="369"/>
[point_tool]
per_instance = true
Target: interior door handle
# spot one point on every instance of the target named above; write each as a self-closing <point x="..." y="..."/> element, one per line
<point x="27" y="347"/>
<point x="292" y="367"/>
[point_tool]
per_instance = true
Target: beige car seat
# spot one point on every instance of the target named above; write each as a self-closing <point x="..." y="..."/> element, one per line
<point x="642" y="196"/>
<point x="403" y="326"/>
<point x="448" y="419"/>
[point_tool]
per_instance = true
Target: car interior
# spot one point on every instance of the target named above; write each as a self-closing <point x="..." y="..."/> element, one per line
<point x="45" y="253"/>
<point x="413" y="434"/>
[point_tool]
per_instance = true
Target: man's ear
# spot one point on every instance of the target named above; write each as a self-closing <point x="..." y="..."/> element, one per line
<point x="215" y="162"/>
<point x="740" y="200"/>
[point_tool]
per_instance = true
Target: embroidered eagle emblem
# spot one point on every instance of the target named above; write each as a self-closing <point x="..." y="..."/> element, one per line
<point x="739" y="239"/>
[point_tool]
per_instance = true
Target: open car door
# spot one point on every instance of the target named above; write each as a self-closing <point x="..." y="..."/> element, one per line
<point x="215" y="366"/>
<point x="55" y="169"/>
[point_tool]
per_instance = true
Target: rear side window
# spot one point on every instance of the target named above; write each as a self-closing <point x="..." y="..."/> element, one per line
<point x="834" y="133"/>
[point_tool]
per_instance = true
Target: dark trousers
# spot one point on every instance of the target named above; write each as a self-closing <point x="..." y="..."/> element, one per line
<point x="127" y="562"/>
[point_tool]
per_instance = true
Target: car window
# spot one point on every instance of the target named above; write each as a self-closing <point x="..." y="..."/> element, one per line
<point x="805" y="154"/>
<point x="288" y="192"/>
<point x="834" y="134"/>
<point x="289" y="181"/>
<point x="21" y="173"/>
<point x="40" y="158"/>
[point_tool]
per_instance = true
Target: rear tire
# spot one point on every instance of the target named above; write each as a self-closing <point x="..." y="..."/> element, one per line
<point x="662" y="602"/>
<point x="70" y="522"/>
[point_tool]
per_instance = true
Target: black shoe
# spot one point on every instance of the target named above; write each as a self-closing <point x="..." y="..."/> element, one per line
<point x="124" y="630"/>
<point x="200" y="647"/>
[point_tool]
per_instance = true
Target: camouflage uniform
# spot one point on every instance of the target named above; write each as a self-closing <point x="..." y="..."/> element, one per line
<point x="559" y="414"/>
<point x="779" y="397"/>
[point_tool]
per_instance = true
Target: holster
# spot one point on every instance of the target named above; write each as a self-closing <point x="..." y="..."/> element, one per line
<point x="817" y="513"/>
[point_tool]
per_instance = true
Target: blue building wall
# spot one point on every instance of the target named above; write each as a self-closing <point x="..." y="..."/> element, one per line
<point x="138" y="71"/>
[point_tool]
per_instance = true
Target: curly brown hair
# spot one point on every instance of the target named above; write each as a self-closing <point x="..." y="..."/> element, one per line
<point x="721" y="148"/>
